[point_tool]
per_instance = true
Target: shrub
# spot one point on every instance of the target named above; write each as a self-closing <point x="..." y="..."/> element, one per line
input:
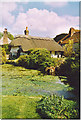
<point x="57" y="107"/>
<point x="10" y="36"/>
<point x="58" y="61"/>
<point x="70" y="69"/>
<point x="6" y="48"/>
<point x="41" y="59"/>
<point x="3" y="55"/>
<point x="68" y="49"/>
<point x="37" y="59"/>
<point x="23" y="61"/>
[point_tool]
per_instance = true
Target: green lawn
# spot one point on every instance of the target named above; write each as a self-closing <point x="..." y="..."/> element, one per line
<point x="22" y="88"/>
<point x="19" y="107"/>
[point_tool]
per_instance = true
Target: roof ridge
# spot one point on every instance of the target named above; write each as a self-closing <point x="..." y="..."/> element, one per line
<point x="41" y="37"/>
<point x="33" y="37"/>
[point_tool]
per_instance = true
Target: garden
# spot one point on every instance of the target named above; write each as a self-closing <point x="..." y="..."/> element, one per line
<point x="28" y="92"/>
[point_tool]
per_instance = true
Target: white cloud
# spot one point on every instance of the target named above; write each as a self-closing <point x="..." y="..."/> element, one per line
<point x="40" y="22"/>
<point x="20" y="24"/>
<point x="44" y="23"/>
<point x="5" y="13"/>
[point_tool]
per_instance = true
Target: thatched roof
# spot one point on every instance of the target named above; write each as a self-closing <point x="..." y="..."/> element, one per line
<point x="27" y="42"/>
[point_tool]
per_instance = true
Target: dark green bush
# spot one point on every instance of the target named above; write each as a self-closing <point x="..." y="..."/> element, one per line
<point x="23" y="61"/>
<point x="70" y="69"/>
<point x="37" y="59"/>
<point x="57" y="107"/>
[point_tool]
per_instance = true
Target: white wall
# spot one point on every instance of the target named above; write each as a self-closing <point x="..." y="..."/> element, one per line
<point x="14" y="50"/>
<point x="55" y="56"/>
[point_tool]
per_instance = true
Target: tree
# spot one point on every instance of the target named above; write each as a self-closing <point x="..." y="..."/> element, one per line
<point x="1" y="34"/>
<point x="68" y="49"/>
<point x="2" y="56"/>
<point x="10" y="36"/>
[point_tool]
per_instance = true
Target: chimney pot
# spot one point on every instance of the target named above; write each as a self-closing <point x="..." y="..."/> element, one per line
<point x="5" y="30"/>
<point x="26" y="31"/>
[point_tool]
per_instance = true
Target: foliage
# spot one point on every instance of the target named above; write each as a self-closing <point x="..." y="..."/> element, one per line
<point x="1" y="35"/>
<point x="76" y="47"/>
<point x="3" y="55"/>
<point x="58" y="61"/>
<point x="40" y="58"/>
<point x="37" y="59"/>
<point x="68" y="49"/>
<point x="6" y="48"/>
<point x="10" y="36"/>
<point x="57" y="107"/>
<point x="70" y="69"/>
<point x="23" y="61"/>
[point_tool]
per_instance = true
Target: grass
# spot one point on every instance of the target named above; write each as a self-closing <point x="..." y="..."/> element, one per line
<point x="20" y="81"/>
<point x="22" y="88"/>
<point x="19" y="107"/>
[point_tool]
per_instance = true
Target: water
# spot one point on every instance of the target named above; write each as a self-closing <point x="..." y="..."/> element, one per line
<point x="67" y="94"/>
<point x="60" y="82"/>
<point x="71" y="95"/>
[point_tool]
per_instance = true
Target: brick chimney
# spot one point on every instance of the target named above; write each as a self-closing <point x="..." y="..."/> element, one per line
<point x="71" y="31"/>
<point x="5" y="36"/>
<point x="26" y="31"/>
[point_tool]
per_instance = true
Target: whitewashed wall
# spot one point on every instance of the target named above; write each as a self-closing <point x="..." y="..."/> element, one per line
<point x="14" y="50"/>
<point x="55" y="56"/>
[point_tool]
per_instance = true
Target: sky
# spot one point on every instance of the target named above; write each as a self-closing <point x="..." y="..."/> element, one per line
<point x="44" y="19"/>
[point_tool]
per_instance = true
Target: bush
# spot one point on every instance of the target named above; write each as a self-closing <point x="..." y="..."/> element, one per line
<point x="58" y="61"/>
<point x="23" y="61"/>
<point x="70" y="69"/>
<point x="57" y="107"/>
<point x="37" y="59"/>
<point x="3" y="56"/>
<point x="10" y="36"/>
<point x="68" y="49"/>
<point x="6" y="48"/>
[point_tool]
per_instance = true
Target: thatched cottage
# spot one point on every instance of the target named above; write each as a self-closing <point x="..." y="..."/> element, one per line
<point x="22" y="43"/>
